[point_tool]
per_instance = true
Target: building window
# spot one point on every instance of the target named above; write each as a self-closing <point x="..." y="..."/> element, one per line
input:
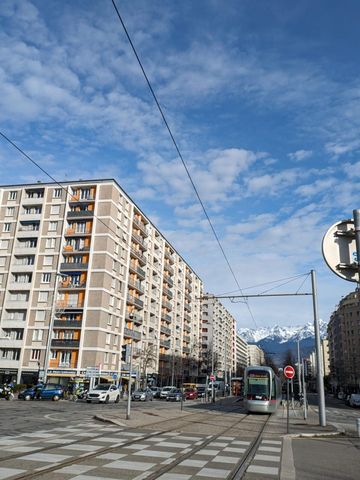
<point x="45" y="278"/>
<point x="43" y="297"/>
<point x="55" y="210"/>
<point x="7" y="227"/>
<point x="53" y="354"/>
<point x="10" y="212"/>
<point x="1" y="278"/>
<point x="21" y="277"/>
<point x="108" y="338"/>
<point x="48" y="260"/>
<point x="40" y="316"/>
<point x="106" y="357"/>
<point x="12" y="195"/>
<point x="37" y="335"/>
<point x="65" y="358"/>
<point x="35" y="354"/>
<point x="113" y="359"/>
<point x="57" y="192"/>
<point x="2" y="261"/>
<point x="50" y="243"/>
<point x="53" y="226"/>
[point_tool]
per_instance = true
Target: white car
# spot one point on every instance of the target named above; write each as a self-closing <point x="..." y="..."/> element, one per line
<point x="104" y="393"/>
<point x="165" y="390"/>
<point x="354" y="400"/>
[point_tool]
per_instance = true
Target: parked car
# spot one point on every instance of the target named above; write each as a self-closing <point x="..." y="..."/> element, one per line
<point x="104" y="393"/>
<point x="165" y="391"/>
<point x="354" y="400"/>
<point x="190" y="393"/>
<point x="156" y="391"/>
<point x="201" y="391"/>
<point x="174" y="395"/>
<point x="49" y="391"/>
<point x="142" y="395"/>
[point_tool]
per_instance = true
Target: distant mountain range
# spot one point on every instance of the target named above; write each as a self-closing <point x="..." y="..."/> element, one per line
<point x="277" y="340"/>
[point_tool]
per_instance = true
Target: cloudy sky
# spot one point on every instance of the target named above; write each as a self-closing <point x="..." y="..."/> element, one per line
<point x="264" y="102"/>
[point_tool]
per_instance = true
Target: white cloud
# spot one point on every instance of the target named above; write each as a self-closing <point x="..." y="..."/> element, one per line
<point x="300" y="155"/>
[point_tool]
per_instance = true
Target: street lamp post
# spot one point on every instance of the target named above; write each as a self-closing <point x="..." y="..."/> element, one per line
<point x="128" y="409"/>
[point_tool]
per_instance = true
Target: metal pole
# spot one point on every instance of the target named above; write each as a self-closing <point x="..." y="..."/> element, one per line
<point x="356" y="214"/>
<point x="225" y="366"/>
<point x="320" y="377"/>
<point x="299" y="367"/>
<point x="129" y="386"/>
<point x="304" y="396"/>
<point x="287" y="407"/>
<point x="213" y="374"/>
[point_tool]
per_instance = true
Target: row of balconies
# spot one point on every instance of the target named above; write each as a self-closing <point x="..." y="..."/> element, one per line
<point x="137" y="319"/>
<point x="139" y="271"/>
<point x="165" y="330"/>
<point x="134" y="301"/>
<point x="167" y="292"/>
<point x="165" y="343"/>
<point x="138" y="255"/>
<point x="136" y="285"/>
<point x="139" y="240"/>
<point x="141" y="225"/>
<point x="129" y="333"/>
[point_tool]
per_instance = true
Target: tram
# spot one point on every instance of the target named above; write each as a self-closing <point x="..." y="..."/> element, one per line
<point x="262" y="390"/>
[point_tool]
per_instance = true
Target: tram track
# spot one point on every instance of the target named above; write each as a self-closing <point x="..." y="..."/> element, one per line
<point x="236" y="474"/>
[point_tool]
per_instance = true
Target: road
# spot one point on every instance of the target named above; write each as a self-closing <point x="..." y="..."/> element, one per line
<point x="62" y="440"/>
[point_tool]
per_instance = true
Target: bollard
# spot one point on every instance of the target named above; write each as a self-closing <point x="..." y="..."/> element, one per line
<point x="358" y="426"/>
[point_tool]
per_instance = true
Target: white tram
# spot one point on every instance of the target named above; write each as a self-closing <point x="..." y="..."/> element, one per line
<point x="262" y="390"/>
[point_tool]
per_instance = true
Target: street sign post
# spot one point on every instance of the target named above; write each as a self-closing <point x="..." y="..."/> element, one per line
<point x="289" y="371"/>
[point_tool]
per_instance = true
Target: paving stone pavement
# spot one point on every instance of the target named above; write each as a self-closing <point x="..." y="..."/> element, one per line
<point x="131" y="462"/>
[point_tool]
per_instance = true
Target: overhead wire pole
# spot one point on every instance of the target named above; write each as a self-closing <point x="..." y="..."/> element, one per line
<point x="178" y="151"/>
<point x="313" y="294"/>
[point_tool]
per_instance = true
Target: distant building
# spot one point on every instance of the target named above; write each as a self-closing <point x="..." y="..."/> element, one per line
<point x="344" y="344"/>
<point x="256" y="355"/>
<point x="217" y="338"/>
<point x="242" y="356"/>
<point x="324" y="348"/>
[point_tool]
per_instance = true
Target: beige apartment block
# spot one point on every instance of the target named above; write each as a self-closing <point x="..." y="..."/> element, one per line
<point x="83" y="273"/>
<point x="256" y="355"/>
<point x="218" y="339"/>
<point x="242" y="354"/>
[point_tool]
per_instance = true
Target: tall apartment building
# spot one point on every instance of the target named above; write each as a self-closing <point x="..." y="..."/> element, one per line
<point x="256" y="355"/>
<point x="242" y="354"/>
<point x="218" y="338"/>
<point x="325" y="358"/>
<point x="84" y="272"/>
<point x="344" y="343"/>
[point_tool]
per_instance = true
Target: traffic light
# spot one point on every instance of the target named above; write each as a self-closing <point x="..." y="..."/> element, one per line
<point x="123" y="353"/>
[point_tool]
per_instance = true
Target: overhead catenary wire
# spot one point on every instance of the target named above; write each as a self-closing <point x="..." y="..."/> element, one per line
<point x="179" y="153"/>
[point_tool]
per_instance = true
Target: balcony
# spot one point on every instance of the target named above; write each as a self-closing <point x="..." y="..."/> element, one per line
<point x="22" y="268"/>
<point x="22" y="249"/>
<point x="61" y="305"/>
<point x="165" y="330"/>
<point x="65" y="343"/>
<point x="167" y="292"/>
<point x="73" y="266"/>
<point x="139" y="271"/>
<point x="7" y="342"/>
<point x="28" y="201"/>
<point x="164" y="357"/>
<point x="186" y="339"/>
<point x="75" y="249"/>
<point x="134" y="301"/>
<point x="72" y="286"/>
<point x="19" y="286"/>
<point x="129" y="333"/>
<point x="166" y="317"/>
<point x="80" y="214"/>
<point x="137" y="254"/>
<point x="188" y="287"/>
<point x="169" y="268"/>
<point x="136" y="285"/>
<point x="187" y="307"/>
<point x="137" y="319"/>
<point x="165" y="343"/>
<point x="188" y="297"/>
<point x="141" y="225"/>
<point x="22" y="233"/>
<point x="72" y="232"/>
<point x="187" y="328"/>
<point x="168" y="280"/>
<point x="139" y="240"/>
<point x="166" y="304"/>
<point x="188" y="276"/>
<point x="170" y="257"/>
<point x="68" y="323"/>
<point x="186" y="349"/>
<point x="187" y="317"/>
<point x="74" y="199"/>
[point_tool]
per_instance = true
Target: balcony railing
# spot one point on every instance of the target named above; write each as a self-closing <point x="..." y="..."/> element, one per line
<point x="188" y="276"/>
<point x="165" y="330"/>
<point x="76" y="198"/>
<point x="138" y="255"/>
<point x="64" y="343"/>
<point x="129" y="333"/>
<point x="61" y="305"/>
<point x="169" y="256"/>
<point x="167" y="292"/>
<point x="187" y="328"/>
<point x="67" y="323"/>
<point x="135" y="301"/>
<point x="166" y="304"/>
<point x="188" y="297"/>
<point x="139" y="271"/>
<point x="72" y="285"/>
<point x="186" y="339"/>
<point x="138" y="239"/>
<point x="165" y="343"/>
<point x="73" y="266"/>
<point x="186" y="349"/>
<point x="187" y="307"/>
<point x="187" y="317"/>
<point x="166" y="317"/>
<point x="80" y="214"/>
<point x="141" y="225"/>
<point x="168" y="280"/>
<point x="72" y="232"/>
<point x="137" y="319"/>
<point x="136" y="285"/>
<point x="169" y="268"/>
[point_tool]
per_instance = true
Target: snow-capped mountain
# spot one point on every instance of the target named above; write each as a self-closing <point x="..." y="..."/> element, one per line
<point x="282" y="334"/>
<point x="277" y="340"/>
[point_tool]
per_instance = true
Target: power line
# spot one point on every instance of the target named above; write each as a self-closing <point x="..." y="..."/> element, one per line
<point x="179" y="152"/>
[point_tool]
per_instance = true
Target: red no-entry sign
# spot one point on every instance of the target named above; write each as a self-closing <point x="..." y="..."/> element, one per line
<point x="289" y="371"/>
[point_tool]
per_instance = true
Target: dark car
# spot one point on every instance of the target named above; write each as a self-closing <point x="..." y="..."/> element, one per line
<point x="201" y="392"/>
<point x="174" y="395"/>
<point x="156" y="391"/>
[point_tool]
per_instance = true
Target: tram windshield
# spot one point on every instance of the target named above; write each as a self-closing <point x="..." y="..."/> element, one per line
<point x="258" y="385"/>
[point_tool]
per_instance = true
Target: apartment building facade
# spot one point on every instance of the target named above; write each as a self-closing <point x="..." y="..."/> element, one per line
<point x="242" y="354"/>
<point x="256" y="355"/>
<point x="83" y="273"/>
<point x="218" y="338"/>
<point x="344" y="344"/>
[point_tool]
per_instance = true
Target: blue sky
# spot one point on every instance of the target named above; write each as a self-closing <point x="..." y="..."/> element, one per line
<point x="263" y="99"/>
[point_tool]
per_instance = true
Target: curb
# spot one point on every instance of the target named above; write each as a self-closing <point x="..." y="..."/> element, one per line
<point x="100" y="418"/>
<point x="316" y="435"/>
